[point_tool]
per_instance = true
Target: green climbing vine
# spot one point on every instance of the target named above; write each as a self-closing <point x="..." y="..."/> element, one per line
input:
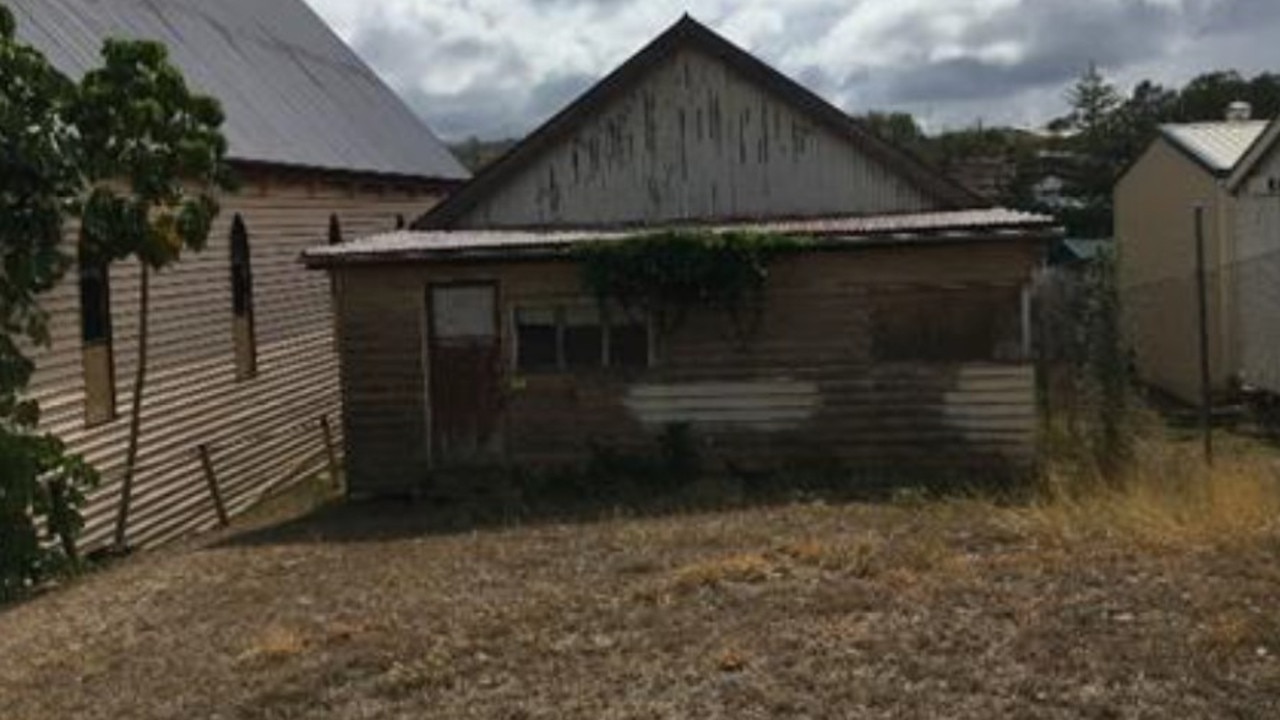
<point x="665" y="275"/>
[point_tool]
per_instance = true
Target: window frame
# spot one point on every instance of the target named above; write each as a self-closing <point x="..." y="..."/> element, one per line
<point x="558" y="307"/>
<point x="97" y="346"/>
<point x="245" y="359"/>
<point x="103" y="303"/>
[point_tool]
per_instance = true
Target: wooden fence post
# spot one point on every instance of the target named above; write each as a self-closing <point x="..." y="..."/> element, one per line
<point x="327" y="432"/>
<point x="207" y="461"/>
<point x="1206" y="377"/>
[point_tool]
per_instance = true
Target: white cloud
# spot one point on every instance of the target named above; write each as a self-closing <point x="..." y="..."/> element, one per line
<point x="494" y="67"/>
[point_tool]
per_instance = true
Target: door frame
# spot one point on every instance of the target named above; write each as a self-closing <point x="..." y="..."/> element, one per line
<point x="429" y="408"/>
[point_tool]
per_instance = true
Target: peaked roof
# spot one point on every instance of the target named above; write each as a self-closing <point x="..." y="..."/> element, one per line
<point x="1257" y="152"/>
<point x="1216" y="146"/>
<point x="689" y="33"/>
<point x="294" y="94"/>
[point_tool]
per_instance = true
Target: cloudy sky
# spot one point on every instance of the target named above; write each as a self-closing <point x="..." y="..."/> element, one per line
<point x="497" y="68"/>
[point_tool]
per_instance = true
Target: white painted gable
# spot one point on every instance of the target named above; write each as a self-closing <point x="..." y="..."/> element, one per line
<point x="694" y="139"/>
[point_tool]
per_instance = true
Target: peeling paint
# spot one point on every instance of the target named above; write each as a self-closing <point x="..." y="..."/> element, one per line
<point x="696" y="140"/>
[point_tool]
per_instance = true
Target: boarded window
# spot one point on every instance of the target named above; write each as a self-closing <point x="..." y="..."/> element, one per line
<point x="97" y="354"/>
<point x="242" y="301"/>
<point x="578" y="337"/>
<point x="960" y="324"/>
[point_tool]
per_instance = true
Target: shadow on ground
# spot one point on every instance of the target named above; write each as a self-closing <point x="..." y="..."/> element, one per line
<point x="392" y="518"/>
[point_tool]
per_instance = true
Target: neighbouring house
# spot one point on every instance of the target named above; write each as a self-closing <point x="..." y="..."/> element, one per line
<point x="898" y="334"/>
<point x="989" y="176"/>
<point x="1255" y="185"/>
<point x="242" y="339"/>
<point x="1189" y="166"/>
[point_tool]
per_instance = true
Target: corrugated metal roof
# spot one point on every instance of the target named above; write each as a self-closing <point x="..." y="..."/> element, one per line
<point x="293" y="92"/>
<point x="959" y="226"/>
<point x="1219" y="146"/>
<point x="1260" y="149"/>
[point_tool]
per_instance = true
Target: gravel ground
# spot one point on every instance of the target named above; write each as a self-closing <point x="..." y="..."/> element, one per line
<point x="800" y="611"/>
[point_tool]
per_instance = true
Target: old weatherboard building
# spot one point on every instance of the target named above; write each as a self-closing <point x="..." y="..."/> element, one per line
<point x="896" y="333"/>
<point x="242" y="343"/>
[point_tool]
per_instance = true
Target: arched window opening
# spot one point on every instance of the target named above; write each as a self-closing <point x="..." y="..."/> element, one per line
<point x="242" y="301"/>
<point x="96" y="339"/>
<point x="335" y="230"/>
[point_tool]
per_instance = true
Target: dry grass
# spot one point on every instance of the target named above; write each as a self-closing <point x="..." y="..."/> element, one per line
<point x="1153" y="601"/>
<point x="1170" y="497"/>
<point x="274" y="643"/>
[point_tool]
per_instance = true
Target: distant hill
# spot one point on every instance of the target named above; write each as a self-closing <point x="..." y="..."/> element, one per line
<point x="476" y="153"/>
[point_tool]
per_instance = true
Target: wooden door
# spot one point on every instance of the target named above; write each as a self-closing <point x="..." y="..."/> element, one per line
<point x="465" y="373"/>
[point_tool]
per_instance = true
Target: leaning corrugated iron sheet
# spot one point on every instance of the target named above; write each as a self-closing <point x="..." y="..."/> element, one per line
<point x="958" y="225"/>
<point x="1218" y="145"/>
<point x="293" y="92"/>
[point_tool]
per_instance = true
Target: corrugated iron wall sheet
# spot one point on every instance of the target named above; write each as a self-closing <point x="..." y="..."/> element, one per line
<point x="193" y="396"/>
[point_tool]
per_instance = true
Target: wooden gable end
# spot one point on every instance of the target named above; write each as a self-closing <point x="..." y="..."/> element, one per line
<point x="693" y="140"/>
<point x="695" y="129"/>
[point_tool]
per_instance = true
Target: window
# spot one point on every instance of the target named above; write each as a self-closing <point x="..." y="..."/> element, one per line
<point x="962" y="324"/>
<point x="335" y="230"/>
<point x="242" y="301"/>
<point x="578" y="337"/>
<point x="583" y="339"/>
<point x="537" y="339"/>
<point x="628" y="341"/>
<point x="95" y="333"/>
<point x="95" y="302"/>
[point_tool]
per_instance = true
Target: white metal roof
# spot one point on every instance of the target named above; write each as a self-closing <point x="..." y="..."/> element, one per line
<point x="959" y="226"/>
<point x="1219" y="146"/>
<point x="293" y="92"/>
<point x="1261" y="149"/>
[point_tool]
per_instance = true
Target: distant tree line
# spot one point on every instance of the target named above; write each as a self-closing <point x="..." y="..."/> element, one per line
<point x="475" y="153"/>
<point x="1101" y="135"/>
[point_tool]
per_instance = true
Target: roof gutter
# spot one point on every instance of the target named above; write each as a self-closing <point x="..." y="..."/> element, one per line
<point x="324" y="258"/>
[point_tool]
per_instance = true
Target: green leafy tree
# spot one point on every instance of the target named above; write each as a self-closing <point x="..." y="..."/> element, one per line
<point x="899" y="128"/>
<point x="40" y="484"/>
<point x="1093" y="98"/>
<point x="1207" y="96"/>
<point x="155" y="156"/>
<point x="1094" y="132"/>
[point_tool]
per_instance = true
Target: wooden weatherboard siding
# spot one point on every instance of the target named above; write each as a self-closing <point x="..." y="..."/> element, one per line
<point x="193" y="396"/>
<point x="694" y="139"/>
<point x="810" y="382"/>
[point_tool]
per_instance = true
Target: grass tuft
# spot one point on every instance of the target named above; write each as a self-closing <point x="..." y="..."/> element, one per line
<point x="275" y="643"/>
<point x="743" y="568"/>
<point x="1167" y="497"/>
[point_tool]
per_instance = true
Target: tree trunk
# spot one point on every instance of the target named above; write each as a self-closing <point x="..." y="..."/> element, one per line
<point x="135" y="418"/>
